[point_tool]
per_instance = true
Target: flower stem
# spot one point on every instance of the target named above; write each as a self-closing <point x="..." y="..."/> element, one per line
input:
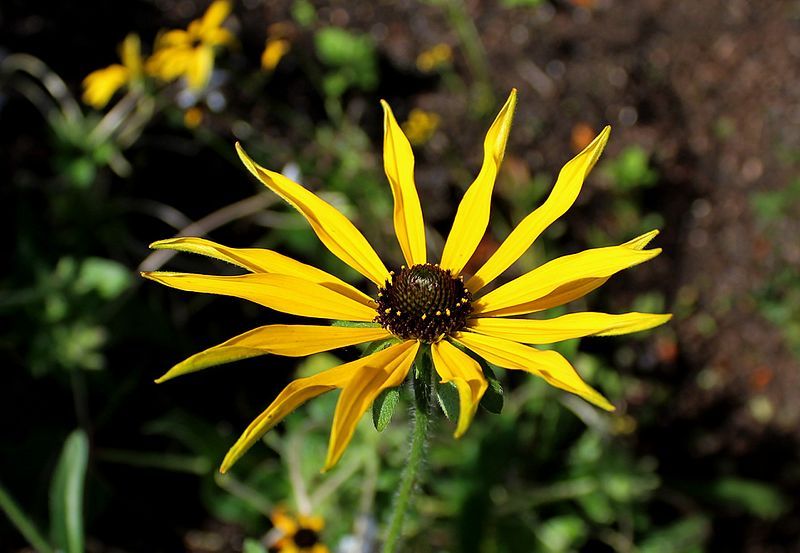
<point x="421" y="415"/>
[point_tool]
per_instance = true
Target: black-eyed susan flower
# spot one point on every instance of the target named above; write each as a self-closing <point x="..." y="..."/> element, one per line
<point x="190" y="53"/>
<point x="299" y="534"/>
<point x="423" y="306"/>
<point x="99" y="86"/>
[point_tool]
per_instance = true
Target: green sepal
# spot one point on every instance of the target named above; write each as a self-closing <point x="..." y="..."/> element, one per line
<point x="423" y="385"/>
<point x="492" y="399"/>
<point x="355" y="324"/>
<point x="383" y="408"/>
<point x="378" y="345"/>
<point x="447" y="394"/>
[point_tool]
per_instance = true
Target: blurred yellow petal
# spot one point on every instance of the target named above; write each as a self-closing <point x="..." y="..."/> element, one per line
<point x="453" y="365"/>
<point x="568" y="185"/>
<point x="273" y="53"/>
<point x="472" y="216"/>
<point x="99" y="86"/>
<point x="219" y="37"/>
<point x="286" y="340"/>
<point x="573" y="325"/>
<point x="131" y="55"/>
<point x="284" y="293"/>
<point x="260" y="260"/>
<point x="199" y="71"/>
<point x="176" y="37"/>
<point x="549" y="365"/>
<point x="515" y="297"/>
<point x="371" y="375"/>
<point x="283" y="521"/>
<point x="398" y="162"/>
<point x="215" y="15"/>
<point x="338" y="234"/>
<point x="293" y="396"/>
<point x="320" y="548"/>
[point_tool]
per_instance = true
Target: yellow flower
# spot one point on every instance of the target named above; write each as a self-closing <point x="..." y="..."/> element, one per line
<point x="297" y="534"/>
<point x="99" y="86"/>
<point x="273" y="53"/>
<point x="420" y="126"/>
<point x="435" y="58"/>
<point x="190" y="53"/>
<point x="421" y="305"/>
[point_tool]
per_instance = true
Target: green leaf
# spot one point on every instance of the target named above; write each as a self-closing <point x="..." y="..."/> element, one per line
<point x="379" y="345"/>
<point x="688" y="535"/>
<point x="253" y="546"/>
<point x="23" y="522"/>
<point x="66" y="494"/>
<point x="105" y="277"/>
<point x="492" y="399"/>
<point x="447" y="394"/>
<point x="756" y="498"/>
<point x="383" y="408"/>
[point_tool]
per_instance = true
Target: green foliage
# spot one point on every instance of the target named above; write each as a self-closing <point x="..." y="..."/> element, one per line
<point x="383" y="408"/>
<point x="351" y="58"/>
<point x="631" y="169"/>
<point x="66" y="494"/>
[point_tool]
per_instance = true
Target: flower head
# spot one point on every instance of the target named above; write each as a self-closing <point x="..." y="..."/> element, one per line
<point x="99" y="86"/>
<point x="190" y="53"/>
<point x="298" y="534"/>
<point x="422" y="306"/>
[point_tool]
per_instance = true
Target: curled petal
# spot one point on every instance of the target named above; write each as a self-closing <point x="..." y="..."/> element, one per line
<point x="286" y="340"/>
<point x="258" y="260"/>
<point x="398" y="162"/>
<point x="568" y="185"/>
<point x="338" y="234"/>
<point x="549" y="365"/>
<point x="573" y="325"/>
<point x="472" y="216"/>
<point x="380" y="371"/>
<point x="518" y="296"/>
<point x="283" y="293"/>
<point x="453" y="365"/>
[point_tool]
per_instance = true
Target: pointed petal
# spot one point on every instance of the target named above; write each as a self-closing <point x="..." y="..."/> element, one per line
<point x="579" y="288"/>
<point x="573" y="325"/>
<point x="333" y="229"/>
<point x="398" y="162"/>
<point x="516" y="297"/>
<point x="259" y="260"/>
<point x="377" y="372"/>
<point x="549" y="365"/>
<point x="293" y="396"/>
<point x="453" y="365"/>
<point x="286" y="340"/>
<point x="131" y="54"/>
<point x="283" y="293"/>
<point x="472" y="216"/>
<point x="564" y="193"/>
<point x="215" y="15"/>
<point x="176" y="37"/>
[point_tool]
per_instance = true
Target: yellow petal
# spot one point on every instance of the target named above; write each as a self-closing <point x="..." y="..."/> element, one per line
<point x="282" y="521"/>
<point x="215" y="15"/>
<point x="472" y="216"/>
<point x="579" y="288"/>
<point x="293" y="396"/>
<point x="131" y="54"/>
<point x="333" y="229"/>
<point x="260" y="260"/>
<point x="99" y="86"/>
<point x="283" y="293"/>
<point x="574" y="325"/>
<point x="176" y="37"/>
<point x="219" y="37"/>
<point x="453" y="365"/>
<point x="398" y="162"/>
<point x="377" y="372"/>
<point x="515" y="297"/>
<point x="199" y="71"/>
<point x="286" y="340"/>
<point x="549" y="365"/>
<point x="566" y="189"/>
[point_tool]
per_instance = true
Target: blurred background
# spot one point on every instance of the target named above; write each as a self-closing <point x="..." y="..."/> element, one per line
<point x="704" y="101"/>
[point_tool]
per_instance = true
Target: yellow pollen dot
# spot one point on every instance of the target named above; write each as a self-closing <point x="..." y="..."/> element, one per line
<point x="424" y="316"/>
<point x="387" y="310"/>
<point x="438" y="313"/>
<point x="398" y="313"/>
<point x="447" y="311"/>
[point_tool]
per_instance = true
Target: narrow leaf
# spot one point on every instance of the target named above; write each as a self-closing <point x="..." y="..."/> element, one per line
<point x="383" y="408"/>
<point x="492" y="400"/>
<point x="447" y="394"/>
<point x="66" y="494"/>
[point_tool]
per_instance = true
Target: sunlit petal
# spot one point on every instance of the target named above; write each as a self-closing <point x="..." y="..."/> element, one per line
<point x="286" y="340"/>
<point x="472" y="216"/>
<point x="453" y="365"/>
<point x="199" y="71"/>
<point x="283" y="293"/>
<point x="398" y="162"/>
<point x="549" y="365"/>
<point x="516" y="297"/>
<point x="380" y="371"/>
<point x="568" y="185"/>
<point x="260" y="260"/>
<point x="215" y="15"/>
<point x="334" y="229"/>
<point x="573" y="325"/>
